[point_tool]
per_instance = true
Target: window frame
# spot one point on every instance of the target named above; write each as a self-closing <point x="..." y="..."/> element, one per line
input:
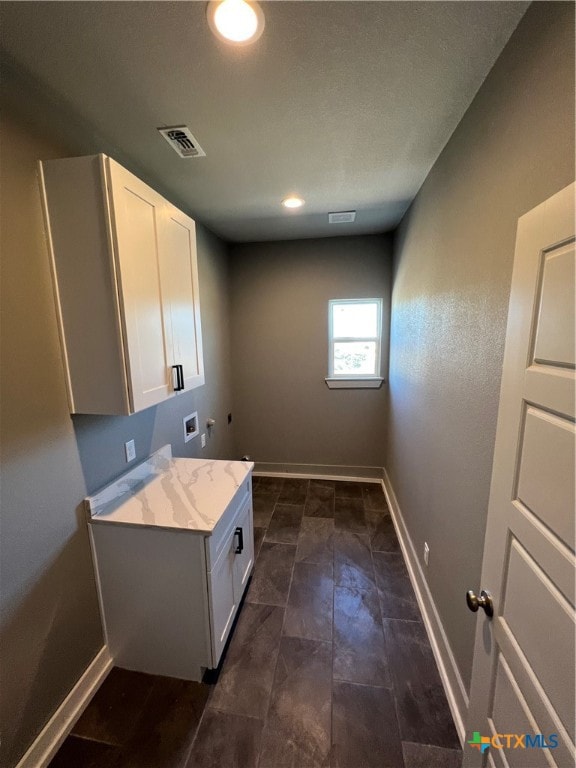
<point x="351" y="380"/>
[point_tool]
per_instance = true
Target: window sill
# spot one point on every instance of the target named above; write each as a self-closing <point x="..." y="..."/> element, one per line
<point x="356" y="382"/>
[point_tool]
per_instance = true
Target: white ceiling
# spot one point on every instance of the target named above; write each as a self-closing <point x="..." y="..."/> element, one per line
<point x="346" y="103"/>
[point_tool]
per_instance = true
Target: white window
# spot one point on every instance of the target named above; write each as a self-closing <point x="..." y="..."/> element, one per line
<point x="355" y="339"/>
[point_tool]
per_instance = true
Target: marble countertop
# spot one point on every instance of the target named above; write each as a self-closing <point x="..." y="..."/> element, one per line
<point x="166" y="492"/>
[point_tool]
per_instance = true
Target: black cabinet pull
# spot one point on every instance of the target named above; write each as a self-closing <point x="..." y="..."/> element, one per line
<point x="240" y="533"/>
<point x="179" y="386"/>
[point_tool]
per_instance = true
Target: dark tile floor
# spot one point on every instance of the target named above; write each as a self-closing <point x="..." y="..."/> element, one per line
<point x="329" y="664"/>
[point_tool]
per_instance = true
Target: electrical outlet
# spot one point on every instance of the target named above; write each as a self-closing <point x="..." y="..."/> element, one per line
<point x="203" y="440"/>
<point x="426" y="552"/>
<point x="130" y="448"/>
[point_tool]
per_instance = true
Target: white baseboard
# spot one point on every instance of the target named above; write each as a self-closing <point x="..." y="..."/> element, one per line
<point x="62" y="721"/>
<point x="449" y="672"/>
<point x="319" y="472"/>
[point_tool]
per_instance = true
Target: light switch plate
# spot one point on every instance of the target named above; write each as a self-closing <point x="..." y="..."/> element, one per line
<point x="130" y="448"/>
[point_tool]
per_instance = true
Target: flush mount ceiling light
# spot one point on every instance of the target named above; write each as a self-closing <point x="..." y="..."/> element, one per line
<point x="293" y="202"/>
<point x="235" y="21"/>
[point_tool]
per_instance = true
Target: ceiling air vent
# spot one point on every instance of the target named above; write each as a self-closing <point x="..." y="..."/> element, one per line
<point x="182" y="141"/>
<point x="342" y="217"/>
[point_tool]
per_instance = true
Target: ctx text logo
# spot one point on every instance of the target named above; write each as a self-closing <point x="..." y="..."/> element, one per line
<point x="513" y="741"/>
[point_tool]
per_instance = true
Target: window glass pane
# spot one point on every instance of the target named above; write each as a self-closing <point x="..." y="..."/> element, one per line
<point x="356" y="320"/>
<point x="355" y="357"/>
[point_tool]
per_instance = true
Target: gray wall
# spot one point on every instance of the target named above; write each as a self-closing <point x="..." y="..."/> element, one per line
<point x="50" y="625"/>
<point x="284" y="411"/>
<point x="453" y="265"/>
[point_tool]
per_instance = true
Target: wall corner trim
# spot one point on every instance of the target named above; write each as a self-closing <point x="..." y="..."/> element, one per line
<point x="449" y="672"/>
<point x="48" y="741"/>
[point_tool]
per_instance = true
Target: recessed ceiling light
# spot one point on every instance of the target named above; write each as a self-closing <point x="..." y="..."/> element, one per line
<point x="235" y="21"/>
<point x="293" y="202"/>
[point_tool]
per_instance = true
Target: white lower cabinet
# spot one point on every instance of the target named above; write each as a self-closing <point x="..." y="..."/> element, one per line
<point x="169" y="596"/>
<point x="228" y="578"/>
<point x="244" y="559"/>
<point x="223" y="601"/>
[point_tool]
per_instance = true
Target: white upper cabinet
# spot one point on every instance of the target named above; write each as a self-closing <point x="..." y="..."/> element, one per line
<point x="179" y="279"/>
<point x="137" y="213"/>
<point x="126" y="287"/>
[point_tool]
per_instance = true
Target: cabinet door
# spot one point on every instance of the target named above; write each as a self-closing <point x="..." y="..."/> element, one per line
<point x="244" y="560"/>
<point x="136" y="212"/>
<point x="180" y="296"/>
<point x="223" y="601"/>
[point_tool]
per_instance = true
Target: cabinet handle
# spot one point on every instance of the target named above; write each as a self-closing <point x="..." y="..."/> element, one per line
<point x="240" y="533"/>
<point x="179" y="386"/>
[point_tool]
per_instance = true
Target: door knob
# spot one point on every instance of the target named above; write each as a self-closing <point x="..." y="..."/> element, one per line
<point x="484" y="602"/>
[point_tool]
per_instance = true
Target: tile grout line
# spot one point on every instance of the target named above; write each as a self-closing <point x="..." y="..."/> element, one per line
<point x="188" y="751"/>
<point x="94" y="740"/>
<point x="331" y="749"/>
<point x="265" y="719"/>
<point x="392" y="688"/>
<point x="186" y="759"/>
<point x="206" y="707"/>
<point x="333" y="680"/>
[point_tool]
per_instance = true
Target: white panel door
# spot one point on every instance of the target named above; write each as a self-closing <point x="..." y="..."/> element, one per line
<point x="522" y="708"/>
<point x="180" y="294"/>
<point x="137" y="211"/>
